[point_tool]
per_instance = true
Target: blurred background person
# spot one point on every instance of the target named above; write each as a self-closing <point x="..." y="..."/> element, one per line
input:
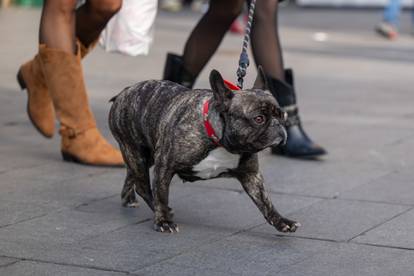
<point x="388" y="28"/>
<point x="267" y="52"/>
<point x="54" y="79"/>
<point x="201" y="6"/>
<point x="178" y="5"/>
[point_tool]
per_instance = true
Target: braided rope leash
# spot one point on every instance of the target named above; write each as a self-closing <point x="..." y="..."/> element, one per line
<point x="244" y="57"/>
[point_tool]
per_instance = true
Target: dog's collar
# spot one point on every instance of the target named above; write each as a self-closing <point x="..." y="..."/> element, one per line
<point x="207" y="125"/>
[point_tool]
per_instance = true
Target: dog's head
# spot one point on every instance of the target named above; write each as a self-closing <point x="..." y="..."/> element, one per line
<point x="252" y="118"/>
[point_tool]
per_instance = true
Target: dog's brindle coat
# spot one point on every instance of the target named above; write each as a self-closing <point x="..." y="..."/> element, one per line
<point x="160" y="124"/>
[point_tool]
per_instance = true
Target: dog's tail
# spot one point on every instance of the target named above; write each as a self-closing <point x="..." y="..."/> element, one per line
<point x="116" y="96"/>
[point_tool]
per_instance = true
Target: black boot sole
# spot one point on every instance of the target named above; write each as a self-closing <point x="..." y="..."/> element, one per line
<point x="73" y="159"/>
<point x="310" y="156"/>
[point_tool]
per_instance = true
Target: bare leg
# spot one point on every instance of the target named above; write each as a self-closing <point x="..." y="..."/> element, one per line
<point x="92" y="17"/>
<point x="57" y="25"/>
<point x="58" y="29"/>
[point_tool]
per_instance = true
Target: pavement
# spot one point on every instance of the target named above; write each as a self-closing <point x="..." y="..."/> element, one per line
<point x="356" y="205"/>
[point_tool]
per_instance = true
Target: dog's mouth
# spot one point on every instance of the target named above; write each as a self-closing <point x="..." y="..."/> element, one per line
<point x="283" y="137"/>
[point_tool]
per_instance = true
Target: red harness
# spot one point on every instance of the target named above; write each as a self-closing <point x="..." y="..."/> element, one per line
<point x="207" y="125"/>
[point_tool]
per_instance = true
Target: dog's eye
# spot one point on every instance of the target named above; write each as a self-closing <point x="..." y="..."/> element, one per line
<point x="259" y="119"/>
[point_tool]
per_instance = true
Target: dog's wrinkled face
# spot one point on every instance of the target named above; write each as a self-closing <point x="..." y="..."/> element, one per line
<point x="252" y="118"/>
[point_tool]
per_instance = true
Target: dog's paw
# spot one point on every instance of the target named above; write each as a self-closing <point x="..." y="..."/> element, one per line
<point x="285" y="225"/>
<point x="166" y="227"/>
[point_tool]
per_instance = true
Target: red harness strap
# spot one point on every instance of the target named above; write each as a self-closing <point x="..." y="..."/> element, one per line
<point x="207" y="125"/>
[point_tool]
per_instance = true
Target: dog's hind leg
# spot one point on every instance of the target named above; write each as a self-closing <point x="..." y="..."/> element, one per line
<point x="128" y="192"/>
<point x="138" y="179"/>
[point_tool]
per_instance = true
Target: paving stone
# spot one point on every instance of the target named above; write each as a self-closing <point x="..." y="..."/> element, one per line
<point x="328" y="177"/>
<point x="136" y="246"/>
<point x="395" y="187"/>
<point x="7" y="261"/>
<point x="50" y="252"/>
<point x="245" y="254"/>
<point x="64" y="227"/>
<point x="33" y="268"/>
<point x="250" y="254"/>
<point x="346" y="259"/>
<point x="226" y="209"/>
<point x="12" y="212"/>
<point x="171" y="269"/>
<point x="399" y="153"/>
<point x="27" y="157"/>
<point x="398" y="232"/>
<point x="339" y="220"/>
<point x="60" y="185"/>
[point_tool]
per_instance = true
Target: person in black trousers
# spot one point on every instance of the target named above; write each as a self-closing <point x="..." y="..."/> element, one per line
<point x="204" y="41"/>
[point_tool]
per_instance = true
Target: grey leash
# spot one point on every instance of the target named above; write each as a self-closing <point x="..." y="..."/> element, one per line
<point x="244" y="57"/>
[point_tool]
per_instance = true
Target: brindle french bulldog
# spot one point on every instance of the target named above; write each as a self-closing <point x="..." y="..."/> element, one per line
<point x="196" y="134"/>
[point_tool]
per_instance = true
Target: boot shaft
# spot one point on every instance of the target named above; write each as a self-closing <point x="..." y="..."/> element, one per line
<point x="64" y="78"/>
<point x="284" y="92"/>
<point x="175" y="71"/>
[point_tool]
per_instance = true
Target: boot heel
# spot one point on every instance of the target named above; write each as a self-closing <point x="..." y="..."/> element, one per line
<point x="20" y="80"/>
<point x="69" y="157"/>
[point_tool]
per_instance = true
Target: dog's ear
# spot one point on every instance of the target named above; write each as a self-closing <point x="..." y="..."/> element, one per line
<point x="261" y="82"/>
<point x="222" y="94"/>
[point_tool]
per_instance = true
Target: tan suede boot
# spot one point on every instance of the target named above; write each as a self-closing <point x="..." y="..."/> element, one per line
<point x="39" y="104"/>
<point x="81" y="140"/>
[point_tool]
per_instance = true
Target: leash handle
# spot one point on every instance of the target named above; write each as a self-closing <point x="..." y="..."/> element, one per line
<point x="244" y="57"/>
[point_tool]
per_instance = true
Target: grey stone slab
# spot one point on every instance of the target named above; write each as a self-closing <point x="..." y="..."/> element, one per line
<point x="126" y="249"/>
<point x="396" y="187"/>
<point x="30" y="268"/>
<point x="7" y="261"/>
<point x="64" y="227"/>
<point x="336" y="173"/>
<point x="171" y="269"/>
<point x="231" y="210"/>
<point x="112" y="207"/>
<point x="346" y="259"/>
<point x="399" y="153"/>
<point x="136" y="246"/>
<point x="12" y="212"/>
<point x="252" y="254"/>
<point x="20" y="157"/>
<point x="60" y="185"/>
<point x="339" y="220"/>
<point x="206" y="206"/>
<point x="245" y="254"/>
<point x="328" y="178"/>
<point x="398" y="232"/>
<point x="50" y="252"/>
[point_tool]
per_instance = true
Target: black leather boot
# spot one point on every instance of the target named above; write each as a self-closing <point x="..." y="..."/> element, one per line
<point x="298" y="144"/>
<point x="174" y="71"/>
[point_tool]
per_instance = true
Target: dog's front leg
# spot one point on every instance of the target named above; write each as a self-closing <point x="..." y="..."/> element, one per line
<point x="252" y="182"/>
<point x="162" y="213"/>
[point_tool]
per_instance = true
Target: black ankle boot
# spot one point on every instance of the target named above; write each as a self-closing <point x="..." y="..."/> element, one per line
<point x="298" y="144"/>
<point x="174" y="71"/>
